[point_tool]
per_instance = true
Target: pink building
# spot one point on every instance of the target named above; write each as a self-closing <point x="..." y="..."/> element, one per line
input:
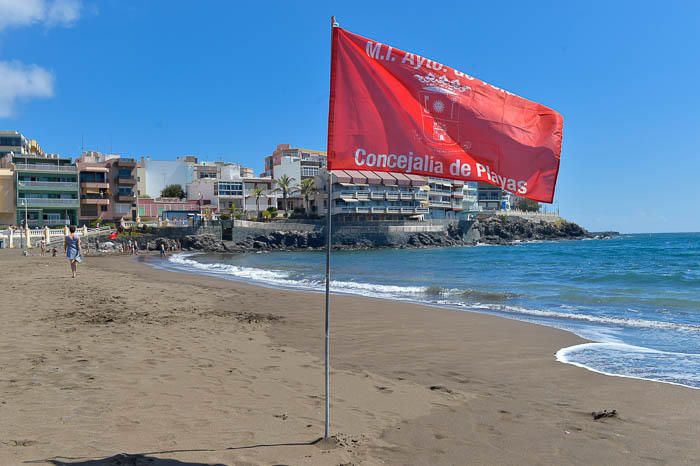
<point x="107" y="187"/>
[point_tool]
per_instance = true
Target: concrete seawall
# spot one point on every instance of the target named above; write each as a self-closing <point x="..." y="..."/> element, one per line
<point x="347" y="234"/>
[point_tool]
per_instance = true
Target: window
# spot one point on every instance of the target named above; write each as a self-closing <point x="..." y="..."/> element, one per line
<point x="309" y="171"/>
<point x="103" y="208"/>
<point x="10" y="141"/>
<point x="228" y="188"/>
<point x="122" y="208"/>
<point x="124" y="173"/>
<point x="125" y="191"/>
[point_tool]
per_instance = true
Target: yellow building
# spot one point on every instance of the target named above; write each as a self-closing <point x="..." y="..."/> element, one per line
<point x="8" y="198"/>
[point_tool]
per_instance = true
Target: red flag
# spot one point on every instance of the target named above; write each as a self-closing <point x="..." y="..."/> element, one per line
<point x="396" y="111"/>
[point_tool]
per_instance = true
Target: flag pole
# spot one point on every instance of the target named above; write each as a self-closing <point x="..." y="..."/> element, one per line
<point x="327" y="349"/>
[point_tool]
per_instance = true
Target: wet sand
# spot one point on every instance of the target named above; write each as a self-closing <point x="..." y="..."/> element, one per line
<point x="191" y="370"/>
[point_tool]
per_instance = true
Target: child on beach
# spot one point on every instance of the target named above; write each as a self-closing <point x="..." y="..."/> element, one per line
<point x="71" y="244"/>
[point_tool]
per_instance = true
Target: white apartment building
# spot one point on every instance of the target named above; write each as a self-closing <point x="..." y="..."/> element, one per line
<point x="360" y="195"/>
<point x="297" y="164"/>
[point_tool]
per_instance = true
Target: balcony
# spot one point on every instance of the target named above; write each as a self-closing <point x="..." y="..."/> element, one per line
<point x="126" y="163"/>
<point x="392" y="196"/>
<point x="47" y="185"/>
<point x="458" y="194"/>
<point x="406" y="196"/>
<point x="43" y="202"/>
<point x="126" y="198"/>
<point x="130" y="180"/>
<point x="94" y="184"/>
<point x="94" y="200"/>
<point x="378" y="210"/>
<point x="376" y="195"/>
<point x="45" y="167"/>
<point x="441" y="204"/>
<point x="421" y="196"/>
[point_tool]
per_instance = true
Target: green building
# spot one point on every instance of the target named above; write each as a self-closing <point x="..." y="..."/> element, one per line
<point x="47" y="190"/>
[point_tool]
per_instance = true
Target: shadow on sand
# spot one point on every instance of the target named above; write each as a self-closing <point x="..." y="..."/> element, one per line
<point x="147" y="459"/>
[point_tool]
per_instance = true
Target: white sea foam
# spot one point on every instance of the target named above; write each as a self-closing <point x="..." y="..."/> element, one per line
<point x="278" y="277"/>
<point x="634" y="362"/>
<point x="627" y="322"/>
<point x="226" y="269"/>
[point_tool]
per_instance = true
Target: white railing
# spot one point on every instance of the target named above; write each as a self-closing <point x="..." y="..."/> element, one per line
<point x="40" y="201"/>
<point x="545" y="216"/>
<point x="48" y="184"/>
<point x="46" y="167"/>
<point x="30" y="238"/>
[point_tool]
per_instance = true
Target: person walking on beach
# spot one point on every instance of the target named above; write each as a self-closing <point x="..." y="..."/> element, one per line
<point x="42" y="243"/>
<point x="162" y="250"/>
<point x="71" y="244"/>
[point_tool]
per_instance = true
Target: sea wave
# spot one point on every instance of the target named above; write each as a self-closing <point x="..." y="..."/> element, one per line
<point x="621" y="321"/>
<point x="611" y="356"/>
<point x="623" y="360"/>
<point x="226" y="269"/>
<point x="486" y="301"/>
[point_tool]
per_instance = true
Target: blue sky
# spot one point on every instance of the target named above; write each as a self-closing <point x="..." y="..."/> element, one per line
<point x="231" y="80"/>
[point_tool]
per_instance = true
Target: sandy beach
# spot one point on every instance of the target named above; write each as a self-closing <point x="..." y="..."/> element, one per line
<point x="194" y="370"/>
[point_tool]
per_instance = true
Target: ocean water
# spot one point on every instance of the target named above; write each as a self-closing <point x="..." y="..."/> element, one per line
<point x="636" y="297"/>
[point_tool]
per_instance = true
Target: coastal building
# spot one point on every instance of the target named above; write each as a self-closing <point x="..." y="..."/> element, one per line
<point x="187" y="171"/>
<point x="297" y="164"/>
<point x="470" y="203"/>
<point x="492" y="197"/>
<point x="226" y="187"/>
<point x="107" y="186"/>
<point x="14" y="142"/>
<point x="250" y="195"/>
<point x="445" y="198"/>
<point x="360" y="195"/>
<point x="8" y="197"/>
<point x="46" y="187"/>
<point x="157" y="174"/>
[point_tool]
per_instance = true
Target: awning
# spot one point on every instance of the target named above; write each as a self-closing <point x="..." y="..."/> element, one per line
<point x="340" y="176"/>
<point x="349" y="199"/>
<point x="94" y="169"/>
<point x="417" y="180"/>
<point x="372" y="177"/>
<point x="402" y="179"/>
<point x="357" y="177"/>
<point x="387" y="179"/>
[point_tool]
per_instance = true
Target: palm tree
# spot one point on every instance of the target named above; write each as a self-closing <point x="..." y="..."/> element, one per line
<point x="284" y="184"/>
<point x="258" y="193"/>
<point x="308" y="187"/>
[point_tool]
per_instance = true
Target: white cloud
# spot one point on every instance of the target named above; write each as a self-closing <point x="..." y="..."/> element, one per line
<point x="19" y="81"/>
<point x="19" y="13"/>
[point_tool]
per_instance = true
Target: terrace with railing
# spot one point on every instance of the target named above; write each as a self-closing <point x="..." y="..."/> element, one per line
<point x="45" y="167"/>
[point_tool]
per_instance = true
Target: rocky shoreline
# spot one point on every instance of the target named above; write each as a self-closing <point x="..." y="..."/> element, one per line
<point x="492" y="230"/>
